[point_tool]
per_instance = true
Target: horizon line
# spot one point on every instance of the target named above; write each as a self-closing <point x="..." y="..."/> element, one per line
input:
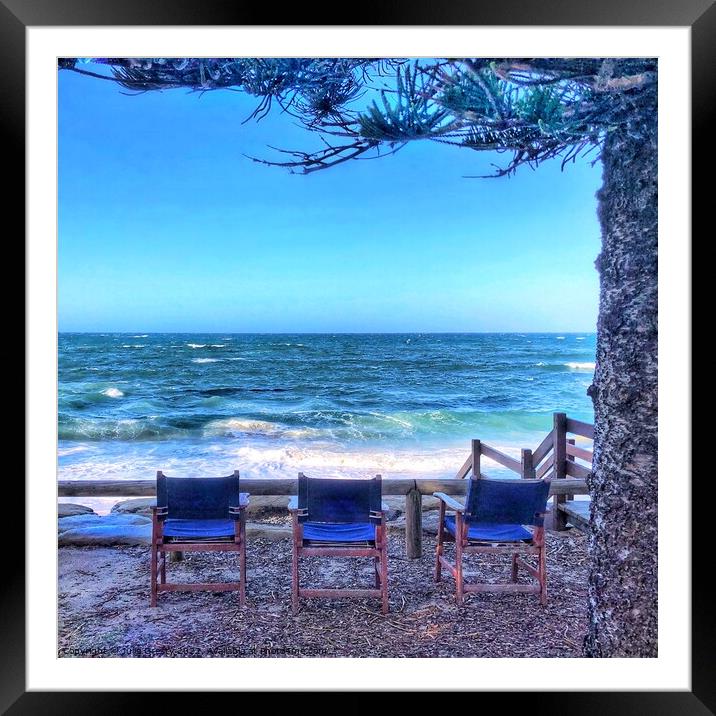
<point x="326" y="333"/>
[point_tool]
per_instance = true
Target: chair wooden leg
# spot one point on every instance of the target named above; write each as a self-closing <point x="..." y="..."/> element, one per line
<point x="543" y="575"/>
<point x="294" y="580"/>
<point x="439" y="546"/>
<point x="242" y="575"/>
<point x="458" y="570"/>
<point x="163" y="569"/>
<point x="384" y="576"/>
<point x="153" y="577"/>
<point x="376" y="569"/>
<point x="514" y="566"/>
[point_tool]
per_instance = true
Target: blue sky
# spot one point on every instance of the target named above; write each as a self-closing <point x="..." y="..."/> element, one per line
<point x="164" y="225"/>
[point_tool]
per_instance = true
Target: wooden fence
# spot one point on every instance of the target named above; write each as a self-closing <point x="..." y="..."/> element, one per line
<point x="557" y="457"/>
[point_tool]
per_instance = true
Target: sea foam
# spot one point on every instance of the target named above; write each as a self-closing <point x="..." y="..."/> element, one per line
<point x="581" y="366"/>
<point x="113" y="393"/>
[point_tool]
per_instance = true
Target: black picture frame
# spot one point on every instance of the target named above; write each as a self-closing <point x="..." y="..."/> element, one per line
<point x="699" y="15"/>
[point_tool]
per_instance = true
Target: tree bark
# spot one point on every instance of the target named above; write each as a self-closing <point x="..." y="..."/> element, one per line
<point x="623" y="536"/>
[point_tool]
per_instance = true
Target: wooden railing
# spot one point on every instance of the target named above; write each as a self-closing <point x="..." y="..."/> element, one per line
<point x="554" y="458"/>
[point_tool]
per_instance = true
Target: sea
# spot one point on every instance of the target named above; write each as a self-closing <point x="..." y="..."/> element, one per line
<point x="271" y="405"/>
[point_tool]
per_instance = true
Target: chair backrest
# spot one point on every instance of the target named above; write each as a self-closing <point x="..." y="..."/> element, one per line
<point x="338" y="500"/>
<point x="197" y="498"/>
<point x="507" y="501"/>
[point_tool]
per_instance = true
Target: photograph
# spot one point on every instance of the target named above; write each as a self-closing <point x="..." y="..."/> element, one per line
<point x="357" y="357"/>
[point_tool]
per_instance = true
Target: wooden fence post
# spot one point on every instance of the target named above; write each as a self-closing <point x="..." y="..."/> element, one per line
<point x="528" y="468"/>
<point x="476" y="451"/>
<point x="413" y="524"/>
<point x="560" y="468"/>
<point x="570" y="441"/>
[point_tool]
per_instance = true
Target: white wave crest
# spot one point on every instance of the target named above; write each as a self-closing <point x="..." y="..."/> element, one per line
<point x="204" y="360"/>
<point x="581" y="366"/>
<point x="61" y="452"/>
<point x="244" y="426"/>
<point x="141" y="335"/>
<point x="113" y="393"/>
<point x="196" y="345"/>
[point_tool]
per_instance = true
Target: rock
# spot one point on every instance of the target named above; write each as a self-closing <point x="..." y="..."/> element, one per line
<point x="430" y="503"/>
<point x="397" y="502"/>
<point x="140" y="534"/>
<point x="107" y="523"/>
<point x="259" y="505"/>
<point x="135" y="505"/>
<point x="267" y="504"/>
<point x="112" y="529"/>
<point x="269" y="532"/>
<point x="430" y="523"/>
<point x="69" y="509"/>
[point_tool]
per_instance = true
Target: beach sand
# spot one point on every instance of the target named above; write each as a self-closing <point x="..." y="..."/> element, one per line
<point x="104" y="608"/>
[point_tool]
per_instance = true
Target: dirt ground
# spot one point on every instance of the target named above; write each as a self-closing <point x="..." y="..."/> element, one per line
<point x="104" y="607"/>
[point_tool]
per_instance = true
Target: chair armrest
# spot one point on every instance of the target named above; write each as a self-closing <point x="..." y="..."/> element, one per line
<point x="159" y="512"/>
<point x="235" y="510"/>
<point x="450" y="502"/>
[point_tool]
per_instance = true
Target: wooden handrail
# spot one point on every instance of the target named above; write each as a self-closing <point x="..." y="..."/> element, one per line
<point x="287" y="486"/>
<point x="464" y="471"/>
<point x="501" y="458"/>
<point x="577" y="427"/>
<point x="545" y="467"/>
<point x="579" y="452"/>
<point x="543" y="448"/>
<point x="575" y="470"/>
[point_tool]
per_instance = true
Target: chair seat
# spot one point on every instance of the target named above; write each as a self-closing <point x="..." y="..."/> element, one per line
<point x="335" y="532"/>
<point x="199" y="529"/>
<point x="489" y="532"/>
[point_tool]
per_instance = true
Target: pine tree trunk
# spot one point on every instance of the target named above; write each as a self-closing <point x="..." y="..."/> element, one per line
<point x="623" y="539"/>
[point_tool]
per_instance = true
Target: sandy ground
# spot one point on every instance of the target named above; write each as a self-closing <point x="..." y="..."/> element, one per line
<point x="104" y="607"/>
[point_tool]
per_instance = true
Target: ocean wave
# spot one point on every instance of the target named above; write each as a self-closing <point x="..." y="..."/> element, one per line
<point x="127" y="429"/>
<point x="581" y="366"/>
<point x="205" y="360"/>
<point x="63" y="452"/>
<point x="273" y="461"/>
<point x="334" y="426"/>
<point x="236" y="427"/>
<point x="143" y="335"/>
<point x="113" y="393"/>
<point x="355" y="463"/>
<point x="196" y="345"/>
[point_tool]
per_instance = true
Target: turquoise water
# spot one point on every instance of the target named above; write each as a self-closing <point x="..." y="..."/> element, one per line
<point x="270" y="405"/>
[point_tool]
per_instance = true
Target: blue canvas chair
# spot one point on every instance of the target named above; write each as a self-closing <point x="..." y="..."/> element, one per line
<point x="198" y="514"/>
<point x="339" y="518"/>
<point x="498" y="517"/>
